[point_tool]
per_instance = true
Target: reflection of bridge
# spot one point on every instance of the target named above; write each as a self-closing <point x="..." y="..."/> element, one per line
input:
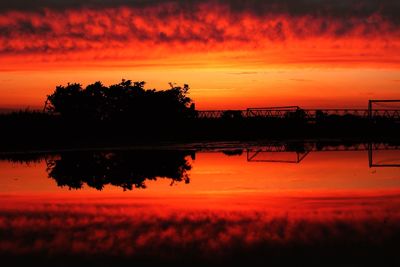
<point x="296" y="112"/>
<point x="270" y="152"/>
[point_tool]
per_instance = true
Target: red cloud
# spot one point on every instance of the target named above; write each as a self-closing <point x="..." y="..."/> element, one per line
<point x="168" y="30"/>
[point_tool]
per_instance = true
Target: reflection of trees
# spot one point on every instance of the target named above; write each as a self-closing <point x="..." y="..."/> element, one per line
<point x="127" y="169"/>
<point x="24" y="158"/>
<point x="233" y="152"/>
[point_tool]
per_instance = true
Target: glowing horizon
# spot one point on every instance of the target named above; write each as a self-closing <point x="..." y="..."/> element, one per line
<point x="233" y="55"/>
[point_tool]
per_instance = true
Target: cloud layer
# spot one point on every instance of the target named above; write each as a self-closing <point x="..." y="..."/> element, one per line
<point x="342" y="8"/>
<point x="141" y="29"/>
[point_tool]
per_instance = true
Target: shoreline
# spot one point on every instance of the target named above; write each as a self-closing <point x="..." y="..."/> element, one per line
<point x="200" y="146"/>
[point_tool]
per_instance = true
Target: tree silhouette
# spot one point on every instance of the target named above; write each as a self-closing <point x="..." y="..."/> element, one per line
<point x="120" y="102"/>
<point x="66" y="101"/>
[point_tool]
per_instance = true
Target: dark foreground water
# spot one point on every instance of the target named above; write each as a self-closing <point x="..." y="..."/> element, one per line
<point x="262" y="205"/>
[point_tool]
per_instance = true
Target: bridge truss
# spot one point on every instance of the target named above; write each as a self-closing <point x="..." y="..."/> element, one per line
<point x="387" y="109"/>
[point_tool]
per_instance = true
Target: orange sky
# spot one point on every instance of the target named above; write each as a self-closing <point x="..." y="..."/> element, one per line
<point x="233" y="55"/>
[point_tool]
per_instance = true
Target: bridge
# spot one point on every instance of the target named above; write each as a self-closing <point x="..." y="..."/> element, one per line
<point x="307" y="114"/>
<point x="386" y="110"/>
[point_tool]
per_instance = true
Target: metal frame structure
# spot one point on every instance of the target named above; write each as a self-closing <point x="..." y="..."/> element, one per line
<point x="270" y="112"/>
<point x="383" y="113"/>
<point x="310" y="115"/>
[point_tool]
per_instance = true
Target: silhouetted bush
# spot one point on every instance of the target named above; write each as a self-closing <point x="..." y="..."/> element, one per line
<point x="124" y="101"/>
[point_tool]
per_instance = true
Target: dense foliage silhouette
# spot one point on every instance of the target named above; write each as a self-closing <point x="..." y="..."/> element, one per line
<point x="124" y="101"/>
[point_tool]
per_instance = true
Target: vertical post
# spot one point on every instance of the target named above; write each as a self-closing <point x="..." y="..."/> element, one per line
<point x="46" y="104"/>
<point x="370" y="154"/>
<point x="370" y="110"/>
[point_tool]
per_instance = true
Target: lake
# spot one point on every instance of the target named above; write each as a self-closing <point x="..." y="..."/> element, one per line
<point x="275" y="203"/>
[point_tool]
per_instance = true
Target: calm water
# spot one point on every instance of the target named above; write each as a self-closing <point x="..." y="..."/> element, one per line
<point x="264" y="205"/>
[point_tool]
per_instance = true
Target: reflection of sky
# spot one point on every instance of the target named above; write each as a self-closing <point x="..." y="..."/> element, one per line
<point x="330" y="205"/>
<point x="201" y="230"/>
<point x="216" y="173"/>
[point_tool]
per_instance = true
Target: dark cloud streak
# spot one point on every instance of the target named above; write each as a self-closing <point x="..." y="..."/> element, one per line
<point x="340" y="9"/>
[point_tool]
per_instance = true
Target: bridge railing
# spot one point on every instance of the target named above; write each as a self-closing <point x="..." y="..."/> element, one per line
<point x="307" y="114"/>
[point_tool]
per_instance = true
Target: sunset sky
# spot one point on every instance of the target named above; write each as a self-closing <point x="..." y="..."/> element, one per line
<point x="233" y="54"/>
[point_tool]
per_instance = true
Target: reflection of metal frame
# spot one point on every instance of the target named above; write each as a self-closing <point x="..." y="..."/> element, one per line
<point x="252" y="156"/>
<point x="279" y="148"/>
<point x="254" y="153"/>
<point x="372" y="147"/>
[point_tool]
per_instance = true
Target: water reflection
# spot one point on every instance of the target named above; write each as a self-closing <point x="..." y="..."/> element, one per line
<point x="115" y="234"/>
<point x="332" y="207"/>
<point x="126" y="169"/>
<point x="296" y="152"/>
<point x="129" y="169"/>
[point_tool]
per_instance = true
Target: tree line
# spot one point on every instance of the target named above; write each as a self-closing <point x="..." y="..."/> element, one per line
<point x="125" y="100"/>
